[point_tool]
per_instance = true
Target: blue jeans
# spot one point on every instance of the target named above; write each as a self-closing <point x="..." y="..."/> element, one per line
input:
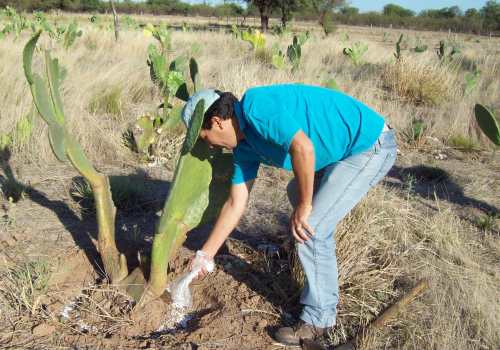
<point x="338" y="188"/>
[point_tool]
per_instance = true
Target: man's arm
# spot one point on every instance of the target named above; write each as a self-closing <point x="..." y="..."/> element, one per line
<point x="228" y="218"/>
<point x="302" y="153"/>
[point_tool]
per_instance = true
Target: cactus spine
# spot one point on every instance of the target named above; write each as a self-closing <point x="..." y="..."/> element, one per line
<point x="48" y="102"/>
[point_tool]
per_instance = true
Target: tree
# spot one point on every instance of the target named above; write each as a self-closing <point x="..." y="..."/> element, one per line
<point x="472" y="13"/>
<point x="397" y="11"/>
<point x="265" y="8"/>
<point x="349" y="11"/>
<point x="491" y="14"/>
<point x="324" y="10"/>
<point x="287" y="7"/>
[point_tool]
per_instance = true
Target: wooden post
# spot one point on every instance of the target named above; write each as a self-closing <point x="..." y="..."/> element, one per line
<point x="116" y="20"/>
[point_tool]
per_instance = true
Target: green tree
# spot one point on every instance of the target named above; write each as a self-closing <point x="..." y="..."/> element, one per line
<point x="491" y="15"/>
<point x="472" y="13"/>
<point x="397" y="11"/>
<point x="349" y="11"/>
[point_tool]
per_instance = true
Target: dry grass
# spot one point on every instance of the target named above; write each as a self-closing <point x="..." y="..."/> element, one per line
<point x="387" y="243"/>
<point x="419" y="83"/>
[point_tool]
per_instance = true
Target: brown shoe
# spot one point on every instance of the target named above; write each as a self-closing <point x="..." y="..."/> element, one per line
<point x="294" y="335"/>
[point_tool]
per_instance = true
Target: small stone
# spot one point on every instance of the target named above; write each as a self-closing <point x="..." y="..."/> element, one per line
<point x="43" y="330"/>
<point x="262" y="324"/>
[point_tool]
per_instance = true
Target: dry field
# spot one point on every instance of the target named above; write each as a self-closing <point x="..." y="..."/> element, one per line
<point x="435" y="216"/>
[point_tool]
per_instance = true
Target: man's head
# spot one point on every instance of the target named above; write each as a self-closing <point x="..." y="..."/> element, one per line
<point x="219" y="128"/>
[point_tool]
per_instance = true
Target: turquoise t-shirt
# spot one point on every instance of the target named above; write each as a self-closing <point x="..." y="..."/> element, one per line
<point x="269" y="116"/>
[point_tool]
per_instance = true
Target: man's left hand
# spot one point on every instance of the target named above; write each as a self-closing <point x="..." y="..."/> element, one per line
<point x="301" y="230"/>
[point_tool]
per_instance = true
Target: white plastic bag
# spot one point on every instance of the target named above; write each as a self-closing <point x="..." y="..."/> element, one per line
<point x="179" y="288"/>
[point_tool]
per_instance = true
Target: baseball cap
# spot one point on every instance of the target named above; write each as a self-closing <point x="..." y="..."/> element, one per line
<point x="208" y="96"/>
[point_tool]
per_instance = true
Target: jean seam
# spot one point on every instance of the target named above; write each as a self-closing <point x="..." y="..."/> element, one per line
<point x="388" y="155"/>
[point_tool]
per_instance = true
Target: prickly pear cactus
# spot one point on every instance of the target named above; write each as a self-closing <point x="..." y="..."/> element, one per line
<point x="294" y="53"/>
<point x="488" y="123"/>
<point x="48" y="102"/>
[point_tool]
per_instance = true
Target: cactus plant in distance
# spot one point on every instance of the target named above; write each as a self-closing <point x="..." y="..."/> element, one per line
<point x="198" y="190"/>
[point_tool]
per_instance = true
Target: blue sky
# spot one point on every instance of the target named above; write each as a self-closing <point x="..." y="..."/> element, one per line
<point x="417" y="6"/>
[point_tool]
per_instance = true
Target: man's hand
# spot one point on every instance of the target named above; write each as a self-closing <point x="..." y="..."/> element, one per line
<point x="301" y="230"/>
<point x="200" y="261"/>
<point x="302" y="153"/>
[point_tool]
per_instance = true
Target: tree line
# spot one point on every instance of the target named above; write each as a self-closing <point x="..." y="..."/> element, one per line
<point x="326" y="12"/>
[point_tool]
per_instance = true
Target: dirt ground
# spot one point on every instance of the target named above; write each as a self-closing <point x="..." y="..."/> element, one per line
<point x="63" y="301"/>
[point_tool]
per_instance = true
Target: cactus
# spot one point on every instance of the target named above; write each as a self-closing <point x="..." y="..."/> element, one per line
<point x="48" y="102"/>
<point x="294" y="53"/>
<point x="17" y="23"/>
<point x="278" y="58"/>
<point x="235" y="31"/>
<point x="488" y="123"/>
<point x="171" y="82"/>
<point x="419" y="46"/>
<point x="256" y="39"/>
<point x="356" y="52"/>
<point x="196" y="196"/>
<point x="40" y="23"/>
<point x="70" y="34"/>
<point x="441" y="52"/>
<point x="471" y="80"/>
<point x="303" y="37"/>
<point x="397" y="54"/>
<point x="199" y="188"/>
<point x="161" y="34"/>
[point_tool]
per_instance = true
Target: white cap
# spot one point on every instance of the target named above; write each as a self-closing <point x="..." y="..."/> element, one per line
<point x="208" y="95"/>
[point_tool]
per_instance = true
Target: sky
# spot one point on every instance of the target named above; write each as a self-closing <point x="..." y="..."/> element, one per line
<point x="417" y="6"/>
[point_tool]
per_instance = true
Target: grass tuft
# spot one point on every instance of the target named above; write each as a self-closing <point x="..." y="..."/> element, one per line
<point x="417" y="83"/>
<point x="108" y="101"/>
<point x="463" y="143"/>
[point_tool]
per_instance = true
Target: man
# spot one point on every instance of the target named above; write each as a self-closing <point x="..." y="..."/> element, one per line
<point x="338" y="149"/>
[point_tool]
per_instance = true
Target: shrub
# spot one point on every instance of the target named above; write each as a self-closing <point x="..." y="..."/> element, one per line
<point x="418" y="83"/>
<point x="264" y="56"/>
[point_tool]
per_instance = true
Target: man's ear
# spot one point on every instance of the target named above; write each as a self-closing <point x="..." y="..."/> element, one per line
<point x="216" y="121"/>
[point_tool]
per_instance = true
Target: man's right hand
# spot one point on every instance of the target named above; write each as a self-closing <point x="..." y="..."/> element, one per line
<point x="202" y="262"/>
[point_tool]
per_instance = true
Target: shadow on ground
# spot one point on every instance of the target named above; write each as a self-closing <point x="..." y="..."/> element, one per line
<point x="136" y="197"/>
<point x="435" y="183"/>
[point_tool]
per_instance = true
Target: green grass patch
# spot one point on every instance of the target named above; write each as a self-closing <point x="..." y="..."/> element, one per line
<point x="108" y="101"/>
<point x="463" y="143"/>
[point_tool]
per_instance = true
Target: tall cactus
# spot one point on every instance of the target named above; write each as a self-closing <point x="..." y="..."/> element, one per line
<point x="199" y="189"/>
<point x="48" y="102"/>
<point x="488" y="123"/>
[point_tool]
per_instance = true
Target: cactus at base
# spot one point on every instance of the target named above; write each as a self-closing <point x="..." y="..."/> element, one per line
<point x="488" y="123"/>
<point x="48" y="102"/>
<point x="199" y="189"/>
